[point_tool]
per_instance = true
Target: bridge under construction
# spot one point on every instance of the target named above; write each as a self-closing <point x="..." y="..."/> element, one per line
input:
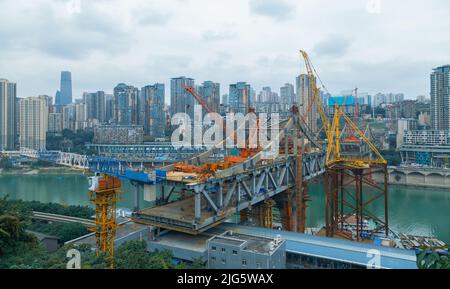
<point x="203" y="191"/>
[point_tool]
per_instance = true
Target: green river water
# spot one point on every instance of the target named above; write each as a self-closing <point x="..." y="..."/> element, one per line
<point x="412" y="210"/>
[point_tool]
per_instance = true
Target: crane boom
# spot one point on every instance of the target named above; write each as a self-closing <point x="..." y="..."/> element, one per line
<point x="316" y="94"/>
<point x="200" y="99"/>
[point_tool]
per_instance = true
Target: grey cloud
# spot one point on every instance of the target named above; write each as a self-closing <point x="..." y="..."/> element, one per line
<point x="73" y="37"/>
<point x="279" y="10"/>
<point x="332" y="46"/>
<point x="154" y="18"/>
<point x="212" y="35"/>
<point x="374" y="77"/>
<point x="174" y="65"/>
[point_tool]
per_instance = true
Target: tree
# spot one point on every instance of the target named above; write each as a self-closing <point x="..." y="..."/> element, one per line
<point x="64" y="231"/>
<point x="432" y="260"/>
<point x="89" y="259"/>
<point x="392" y="157"/>
<point x="134" y="255"/>
<point x="18" y="248"/>
<point x="5" y="163"/>
<point x="70" y="140"/>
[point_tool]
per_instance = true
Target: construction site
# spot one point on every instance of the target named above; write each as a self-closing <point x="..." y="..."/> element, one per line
<point x="196" y="198"/>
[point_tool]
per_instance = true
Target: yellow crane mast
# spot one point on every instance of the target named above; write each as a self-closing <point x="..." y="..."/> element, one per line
<point x="348" y="208"/>
<point x="104" y="193"/>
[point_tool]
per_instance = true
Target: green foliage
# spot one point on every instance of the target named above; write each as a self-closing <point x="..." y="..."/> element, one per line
<point x="21" y="250"/>
<point x="380" y="111"/>
<point x="5" y="163"/>
<point x="198" y="263"/>
<point x="53" y="208"/>
<point x="18" y="248"/>
<point x="13" y="221"/>
<point x="89" y="259"/>
<point x="70" y="140"/>
<point x="64" y="231"/>
<point x="392" y="157"/>
<point x="40" y="164"/>
<point x="24" y="254"/>
<point x="432" y="260"/>
<point x="134" y="255"/>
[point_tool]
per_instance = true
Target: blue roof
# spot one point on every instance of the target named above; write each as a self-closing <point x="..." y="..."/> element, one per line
<point x="334" y="249"/>
<point x="339" y="100"/>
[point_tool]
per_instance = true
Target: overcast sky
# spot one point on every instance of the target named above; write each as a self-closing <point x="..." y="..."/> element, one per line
<point x="388" y="48"/>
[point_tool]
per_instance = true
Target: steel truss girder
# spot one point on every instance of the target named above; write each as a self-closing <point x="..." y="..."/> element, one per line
<point x="235" y="193"/>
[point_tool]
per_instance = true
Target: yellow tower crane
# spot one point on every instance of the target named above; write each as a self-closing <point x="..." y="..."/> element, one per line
<point x="348" y="208"/>
<point x="104" y="193"/>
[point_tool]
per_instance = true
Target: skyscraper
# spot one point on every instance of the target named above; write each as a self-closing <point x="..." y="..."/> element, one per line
<point x="69" y="116"/>
<point x="287" y="94"/>
<point x="33" y="122"/>
<point x="7" y="115"/>
<point x="64" y="95"/>
<point x="181" y="100"/>
<point x="440" y="98"/>
<point x="80" y="115"/>
<point x="305" y="100"/>
<point x="55" y="122"/>
<point x="152" y="110"/>
<point x="126" y="105"/>
<point x="239" y="97"/>
<point x="95" y="106"/>
<point x="210" y="91"/>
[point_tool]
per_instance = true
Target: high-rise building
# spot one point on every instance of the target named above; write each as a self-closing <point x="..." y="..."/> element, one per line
<point x="379" y="99"/>
<point x="55" y="122"/>
<point x="126" y="105"/>
<point x="80" y="115"/>
<point x="265" y="95"/>
<point x="403" y="125"/>
<point x="152" y="110"/>
<point x="422" y="99"/>
<point x="239" y="97"/>
<point x="109" y="108"/>
<point x="287" y="94"/>
<point x="181" y="101"/>
<point x="33" y="123"/>
<point x="7" y="114"/>
<point x="305" y="100"/>
<point x="95" y="106"/>
<point x="440" y="98"/>
<point x="225" y="99"/>
<point x="210" y="92"/>
<point x="64" y="95"/>
<point x="69" y="116"/>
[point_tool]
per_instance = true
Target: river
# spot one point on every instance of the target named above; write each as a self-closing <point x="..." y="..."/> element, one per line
<point x="412" y="210"/>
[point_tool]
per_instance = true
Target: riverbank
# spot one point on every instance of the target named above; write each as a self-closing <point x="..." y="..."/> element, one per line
<point x="56" y="170"/>
<point x="416" y="177"/>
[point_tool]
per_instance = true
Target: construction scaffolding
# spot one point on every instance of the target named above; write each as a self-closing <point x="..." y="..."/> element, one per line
<point x="350" y="191"/>
<point x="260" y="215"/>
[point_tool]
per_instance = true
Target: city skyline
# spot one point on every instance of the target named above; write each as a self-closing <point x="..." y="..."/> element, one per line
<point x="246" y="47"/>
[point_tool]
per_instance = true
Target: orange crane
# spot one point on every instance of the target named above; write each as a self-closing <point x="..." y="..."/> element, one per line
<point x="246" y="152"/>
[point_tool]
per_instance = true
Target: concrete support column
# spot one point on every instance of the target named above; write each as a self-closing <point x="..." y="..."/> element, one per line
<point x="136" y="198"/>
<point x="220" y="196"/>
<point x="198" y="205"/>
